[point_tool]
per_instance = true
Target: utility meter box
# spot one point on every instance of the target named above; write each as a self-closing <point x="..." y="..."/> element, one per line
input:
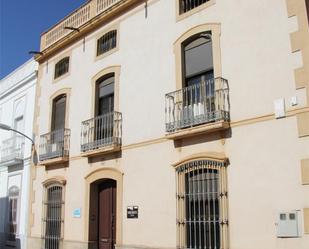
<point x="288" y="225"/>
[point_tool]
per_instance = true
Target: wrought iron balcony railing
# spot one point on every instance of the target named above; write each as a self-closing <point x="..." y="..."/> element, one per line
<point x="55" y="144"/>
<point x="101" y="131"/>
<point x="198" y="104"/>
<point x="12" y="149"/>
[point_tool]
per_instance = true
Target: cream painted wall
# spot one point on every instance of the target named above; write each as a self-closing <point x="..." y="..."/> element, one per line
<point x="264" y="171"/>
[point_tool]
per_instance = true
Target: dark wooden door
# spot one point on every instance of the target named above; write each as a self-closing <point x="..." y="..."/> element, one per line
<point x="107" y="215"/>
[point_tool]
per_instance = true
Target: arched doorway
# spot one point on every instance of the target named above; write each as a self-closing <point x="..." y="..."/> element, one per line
<point x="102" y="213"/>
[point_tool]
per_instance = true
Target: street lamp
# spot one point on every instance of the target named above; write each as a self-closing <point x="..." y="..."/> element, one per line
<point x="8" y="128"/>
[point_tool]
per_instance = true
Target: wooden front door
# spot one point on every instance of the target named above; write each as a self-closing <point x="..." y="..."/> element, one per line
<point x="107" y="215"/>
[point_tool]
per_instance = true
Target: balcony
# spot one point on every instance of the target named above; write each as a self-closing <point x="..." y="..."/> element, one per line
<point x="102" y="134"/>
<point x="54" y="147"/>
<point x="90" y="13"/>
<point x="200" y="108"/>
<point x="12" y="151"/>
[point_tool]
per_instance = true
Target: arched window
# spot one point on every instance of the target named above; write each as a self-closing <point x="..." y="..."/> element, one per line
<point x="105" y="94"/>
<point x="13" y="211"/>
<point x="58" y="112"/>
<point x="201" y="205"/>
<point x="53" y="218"/>
<point x="104" y="122"/>
<point x="107" y="42"/>
<point x="62" y="67"/>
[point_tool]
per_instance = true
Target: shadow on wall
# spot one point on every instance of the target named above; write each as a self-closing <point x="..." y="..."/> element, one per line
<point x="203" y="138"/>
<point x="7" y="241"/>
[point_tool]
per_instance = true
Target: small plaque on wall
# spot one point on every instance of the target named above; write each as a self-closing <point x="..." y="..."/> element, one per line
<point x="132" y="212"/>
<point x="77" y="213"/>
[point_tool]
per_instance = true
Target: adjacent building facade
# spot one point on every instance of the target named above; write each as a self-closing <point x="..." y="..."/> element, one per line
<point x="173" y="124"/>
<point x="17" y="98"/>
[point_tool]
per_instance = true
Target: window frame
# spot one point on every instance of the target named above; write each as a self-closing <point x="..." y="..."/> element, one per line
<point x="215" y="30"/>
<point x="180" y="16"/>
<point x="67" y="92"/>
<point x="97" y="93"/>
<point x="110" y="39"/>
<point x="181" y="171"/>
<point x="64" y="58"/>
<point x="111" y="51"/>
<point x="53" y="184"/>
<point x="53" y="117"/>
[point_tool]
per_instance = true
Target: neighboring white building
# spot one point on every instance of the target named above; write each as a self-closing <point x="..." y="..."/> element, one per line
<point x="17" y="98"/>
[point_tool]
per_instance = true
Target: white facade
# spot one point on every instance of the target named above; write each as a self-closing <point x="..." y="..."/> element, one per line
<point x="17" y="98"/>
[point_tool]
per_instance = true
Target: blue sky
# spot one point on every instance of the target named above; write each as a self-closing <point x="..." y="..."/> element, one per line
<point x="22" y="22"/>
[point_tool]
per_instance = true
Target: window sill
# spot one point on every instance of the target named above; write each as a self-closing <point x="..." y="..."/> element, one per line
<point x="196" y="130"/>
<point x="101" y="56"/>
<point x="102" y="151"/>
<point x="60" y="77"/>
<point x="54" y="161"/>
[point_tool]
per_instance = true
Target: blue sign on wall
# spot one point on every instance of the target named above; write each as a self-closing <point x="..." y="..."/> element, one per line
<point x="77" y="213"/>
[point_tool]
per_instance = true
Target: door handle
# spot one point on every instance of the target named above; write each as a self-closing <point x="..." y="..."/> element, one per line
<point x="104" y="240"/>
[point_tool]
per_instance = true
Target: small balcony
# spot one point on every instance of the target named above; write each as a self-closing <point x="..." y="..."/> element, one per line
<point x="199" y="108"/>
<point x="102" y="134"/>
<point x="12" y="151"/>
<point x="54" y="147"/>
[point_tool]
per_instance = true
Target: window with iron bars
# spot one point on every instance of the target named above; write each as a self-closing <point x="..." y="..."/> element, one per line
<point x="202" y="205"/>
<point x="187" y="5"/>
<point x="53" y="217"/>
<point x="107" y="42"/>
<point x="62" y="67"/>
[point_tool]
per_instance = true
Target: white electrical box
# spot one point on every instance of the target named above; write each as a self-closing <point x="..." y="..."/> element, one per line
<point x="279" y="106"/>
<point x="288" y="225"/>
<point x="294" y="101"/>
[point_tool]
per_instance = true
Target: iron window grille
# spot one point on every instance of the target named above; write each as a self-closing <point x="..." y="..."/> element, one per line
<point x="187" y="5"/>
<point x="107" y="42"/>
<point x="62" y="67"/>
<point x="201" y="195"/>
<point x="53" y="217"/>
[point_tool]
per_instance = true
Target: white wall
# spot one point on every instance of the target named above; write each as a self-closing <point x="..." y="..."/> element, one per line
<point x="17" y="97"/>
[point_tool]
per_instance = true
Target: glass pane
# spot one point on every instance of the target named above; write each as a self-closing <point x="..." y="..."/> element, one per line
<point x="198" y="57"/>
<point x="59" y="113"/>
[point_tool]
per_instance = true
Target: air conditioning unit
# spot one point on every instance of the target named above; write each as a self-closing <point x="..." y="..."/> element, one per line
<point x="288" y="225"/>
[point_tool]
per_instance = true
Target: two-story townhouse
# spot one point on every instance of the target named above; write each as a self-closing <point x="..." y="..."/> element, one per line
<point x="17" y="98"/>
<point x="173" y="124"/>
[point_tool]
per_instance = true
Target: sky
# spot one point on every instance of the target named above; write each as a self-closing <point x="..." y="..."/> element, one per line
<point x="22" y="22"/>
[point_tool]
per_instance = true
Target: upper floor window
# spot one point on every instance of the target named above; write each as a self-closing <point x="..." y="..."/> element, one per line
<point x="62" y="67"/>
<point x="187" y="5"/>
<point x="107" y="42"/>
<point x="58" y="113"/>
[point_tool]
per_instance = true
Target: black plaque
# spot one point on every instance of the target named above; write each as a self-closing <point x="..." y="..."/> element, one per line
<point x="132" y="212"/>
